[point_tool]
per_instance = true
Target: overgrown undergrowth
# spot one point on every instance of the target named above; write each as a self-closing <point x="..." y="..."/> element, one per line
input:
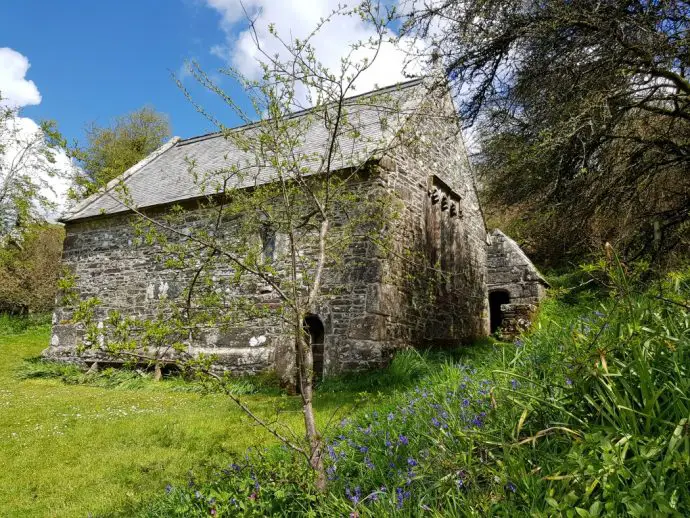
<point x="587" y="415"/>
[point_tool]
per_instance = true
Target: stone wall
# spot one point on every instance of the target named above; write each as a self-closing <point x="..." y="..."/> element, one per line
<point x="515" y="285"/>
<point x="437" y="273"/>
<point x="110" y="263"/>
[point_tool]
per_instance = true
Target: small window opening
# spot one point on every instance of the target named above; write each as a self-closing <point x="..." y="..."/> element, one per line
<point x="268" y="243"/>
<point x="315" y="333"/>
<point x="496" y="300"/>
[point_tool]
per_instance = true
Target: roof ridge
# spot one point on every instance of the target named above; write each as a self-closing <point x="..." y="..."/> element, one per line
<point x="399" y="85"/>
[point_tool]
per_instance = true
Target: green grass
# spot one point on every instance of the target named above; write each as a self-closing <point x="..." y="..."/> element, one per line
<point x="70" y="449"/>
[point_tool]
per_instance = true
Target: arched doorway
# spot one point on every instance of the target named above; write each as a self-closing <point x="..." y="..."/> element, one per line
<point x="496" y="300"/>
<point x="314" y="328"/>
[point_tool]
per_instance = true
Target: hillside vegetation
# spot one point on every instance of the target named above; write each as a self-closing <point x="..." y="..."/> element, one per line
<point x="587" y="415"/>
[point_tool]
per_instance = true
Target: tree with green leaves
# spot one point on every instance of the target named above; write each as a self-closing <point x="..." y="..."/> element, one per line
<point x="275" y="223"/>
<point x="583" y="115"/>
<point x="28" y="168"/>
<point x="29" y="271"/>
<point x="111" y="150"/>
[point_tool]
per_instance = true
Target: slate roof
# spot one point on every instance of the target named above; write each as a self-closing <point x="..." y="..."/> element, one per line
<point x="164" y="176"/>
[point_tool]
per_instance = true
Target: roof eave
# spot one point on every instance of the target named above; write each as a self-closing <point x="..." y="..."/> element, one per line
<point x="70" y="215"/>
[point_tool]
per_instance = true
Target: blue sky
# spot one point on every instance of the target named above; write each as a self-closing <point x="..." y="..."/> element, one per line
<point x="79" y="62"/>
<point x="93" y="60"/>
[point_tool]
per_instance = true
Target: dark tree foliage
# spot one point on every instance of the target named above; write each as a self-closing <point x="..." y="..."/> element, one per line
<point x="582" y="109"/>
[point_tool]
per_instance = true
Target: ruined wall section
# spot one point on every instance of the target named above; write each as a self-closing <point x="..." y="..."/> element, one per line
<point x="434" y="289"/>
<point x="515" y="286"/>
<point x="510" y="270"/>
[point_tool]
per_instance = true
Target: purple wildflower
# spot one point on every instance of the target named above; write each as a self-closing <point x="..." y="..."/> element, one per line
<point x="401" y="496"/>
<point x="511" y="487"/>
<point x="331" y="452"/>
<point x="403" y="440"/>
<point x="354" y="496"/>
<point x="391" y="416"/>
<point x="514" y="384"/>
<point x="168" y="488"/>
<point x="435" y="422"/>
<point x="465" y="402"/>
<point x="411" y="462"/>
<point x="363" y="449"/>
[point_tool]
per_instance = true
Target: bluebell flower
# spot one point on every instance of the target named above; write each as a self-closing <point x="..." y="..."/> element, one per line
<point x="411" y="462"/>
<point x="568" y="382"/>
<point x="168" y="488"/>
<point x="403" y="440"/>
<point x="363" y="449"/>
<point x="519" y="343"/>
<point x="515" y="384"/>
<point x="400" y="497"/>
<point x="331" y="452"/>
<point x="368" y="463"/>
<point x="388" y="443"/>
<point x="435" y="422"/>
<point x="355" y="496"/>
<point x="511" y="487"/>
<point x="391" y="416"/>
<point x="465" y="402"/>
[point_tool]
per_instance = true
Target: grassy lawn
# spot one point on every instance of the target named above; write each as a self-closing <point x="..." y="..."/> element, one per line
<point x="70" y="450"/>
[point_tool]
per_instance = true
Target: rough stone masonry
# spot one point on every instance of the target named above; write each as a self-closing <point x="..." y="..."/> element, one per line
<point x="377" y="303"/>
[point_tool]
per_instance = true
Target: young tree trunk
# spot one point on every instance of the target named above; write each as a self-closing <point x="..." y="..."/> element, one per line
<point x="158" y="372"/>
<point x="306" y="371"/>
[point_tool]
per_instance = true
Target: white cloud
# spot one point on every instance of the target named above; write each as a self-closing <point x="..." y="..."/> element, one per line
<point x="296" y="19"/>
<point x="17" y="92"/>
<point x="15" y="89"/>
